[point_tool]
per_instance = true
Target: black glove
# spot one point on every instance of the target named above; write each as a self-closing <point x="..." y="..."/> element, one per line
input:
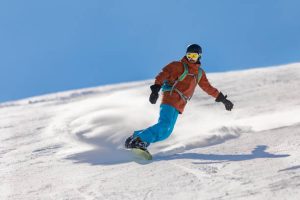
<point x="221" y="98"/>
<point x="154" y="94"/>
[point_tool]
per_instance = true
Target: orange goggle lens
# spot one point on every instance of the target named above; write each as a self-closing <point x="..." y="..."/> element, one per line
<point x="193" y="56"/>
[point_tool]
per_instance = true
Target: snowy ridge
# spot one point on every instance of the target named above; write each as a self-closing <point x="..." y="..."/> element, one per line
<point x="80" y="134"/>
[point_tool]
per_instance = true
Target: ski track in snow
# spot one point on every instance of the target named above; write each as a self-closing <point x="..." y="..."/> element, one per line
<point x="69" y="145"/>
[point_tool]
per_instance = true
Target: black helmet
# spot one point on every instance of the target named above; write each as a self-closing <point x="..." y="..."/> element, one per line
<point x="194" y="48"/>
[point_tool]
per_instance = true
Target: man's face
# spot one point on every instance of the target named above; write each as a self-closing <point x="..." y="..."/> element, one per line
<point x="192" y="57"/>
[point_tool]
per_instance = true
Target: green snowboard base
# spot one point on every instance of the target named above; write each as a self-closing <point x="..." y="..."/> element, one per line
<point x="142" y="154"/>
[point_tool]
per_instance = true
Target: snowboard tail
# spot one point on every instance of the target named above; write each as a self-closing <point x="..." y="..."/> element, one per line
<point x="142" y="153"/>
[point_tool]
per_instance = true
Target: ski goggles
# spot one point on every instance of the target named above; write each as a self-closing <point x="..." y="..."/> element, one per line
<point x="193" y="56"/>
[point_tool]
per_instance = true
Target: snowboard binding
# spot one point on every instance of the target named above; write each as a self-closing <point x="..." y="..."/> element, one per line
<point x="138" y="147"/>
<point x="137" y="143"/>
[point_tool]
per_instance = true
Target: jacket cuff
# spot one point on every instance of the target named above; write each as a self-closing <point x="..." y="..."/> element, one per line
<point x="220" y="97"/>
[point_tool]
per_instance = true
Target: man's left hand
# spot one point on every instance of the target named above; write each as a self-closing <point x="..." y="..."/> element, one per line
<point x="228" y="104"/>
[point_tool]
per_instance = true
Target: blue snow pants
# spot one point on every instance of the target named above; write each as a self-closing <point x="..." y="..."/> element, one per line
<point x="163" y="128"/>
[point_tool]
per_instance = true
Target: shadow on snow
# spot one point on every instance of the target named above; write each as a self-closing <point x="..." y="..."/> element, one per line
<point x="258" y="152"/>
<point x="118" y="156"/>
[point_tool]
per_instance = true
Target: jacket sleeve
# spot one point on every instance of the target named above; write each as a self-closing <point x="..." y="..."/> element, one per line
<point x="206" y="86"/>
<point x="165" y="74"/>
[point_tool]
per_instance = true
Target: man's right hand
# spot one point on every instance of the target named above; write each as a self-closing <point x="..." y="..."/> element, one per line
<point x="154" y="94"/>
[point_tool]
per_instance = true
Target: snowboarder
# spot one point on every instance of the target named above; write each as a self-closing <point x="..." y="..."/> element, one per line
<point x="178" y="81"/>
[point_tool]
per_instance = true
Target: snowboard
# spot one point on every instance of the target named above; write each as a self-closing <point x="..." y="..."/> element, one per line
<point x="142" y="154"/>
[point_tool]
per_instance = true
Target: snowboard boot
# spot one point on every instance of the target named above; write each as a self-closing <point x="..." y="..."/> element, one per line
<point x="132" y="142"/>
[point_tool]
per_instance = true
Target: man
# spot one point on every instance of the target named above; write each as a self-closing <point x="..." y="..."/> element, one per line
<point x="178" y="81"/>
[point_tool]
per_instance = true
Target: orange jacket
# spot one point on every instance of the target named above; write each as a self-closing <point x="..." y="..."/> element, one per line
<point x="171" y="72"/>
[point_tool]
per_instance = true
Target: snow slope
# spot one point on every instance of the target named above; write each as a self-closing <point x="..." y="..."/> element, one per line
<point x="69" y="145"/>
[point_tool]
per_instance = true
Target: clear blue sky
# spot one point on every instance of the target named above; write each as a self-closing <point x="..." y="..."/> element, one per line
<point x="56" y="45"/>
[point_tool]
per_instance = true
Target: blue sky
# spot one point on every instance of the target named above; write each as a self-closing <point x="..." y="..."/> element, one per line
<point x="50" y="46"/>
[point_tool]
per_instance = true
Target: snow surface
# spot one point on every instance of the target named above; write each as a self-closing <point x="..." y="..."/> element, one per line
<point x="69" y="145"/>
